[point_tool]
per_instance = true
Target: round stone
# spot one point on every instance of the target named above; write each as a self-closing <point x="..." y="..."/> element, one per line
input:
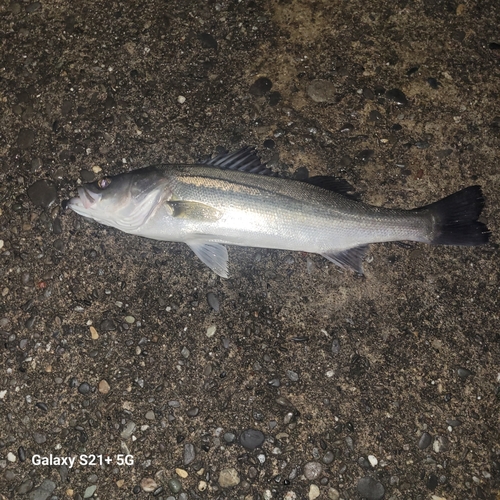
<point x="313" y="492"/>
<point x="104" y="387"/>
<point x="312" y="470"/>
<point x="261" y="86"/>
<point x="228" y="478"/>
<point x="424" y="441"/>
<point x="251" y="439"/>
<point x="148" y="484"/>
<point x="397" y="97"/>
<point x="174" y="485"/>
<point x="370" y="489"/>
<point x="321" y="91"/>
<point x="42" y="193"/>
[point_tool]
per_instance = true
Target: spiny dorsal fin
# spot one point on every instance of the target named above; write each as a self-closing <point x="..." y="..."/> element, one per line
<point x="334" y="184"/>
<point x="243" y="160"/>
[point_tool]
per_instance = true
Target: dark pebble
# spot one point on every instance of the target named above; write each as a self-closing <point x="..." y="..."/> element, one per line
<point x="42" y="406"/>
<point x="108" y="325"/>
<point x="375" y="116"/>
<point x="370" y="489"/>
<point x="347" y="128"/>
<point x="260" y="87"/>
<point x="335" y="346"/>
<point x="136" y="490"/>
<point x="229" y="437"/>
<point x="158" y="491"/>
<point x="453" y="422"/>
<point x="397" y="97"/>
<point x="213" y="301"/>
<point x="424" y="441"/>
<point x="422" y="144"/>
<point x="66" y="107"/>
<point x="33" y="7"/>
<point x="193" y="412"/>
<point x="433" y="83"/>
<point x="84" y="388"/>
<point x="463" y="373"/>
<point x="269" y="144"/>
<point x="301" y="174"/>
<point x="42" y="193"/>
<point x="25" y="487"/>
<point x="189" y="454"/>
<point x="57" y="226"/>
<point x="26" y="138"/>
<point x="251" y="439"/>
<point x="345" y="161"/>
<point x="494" y="46"/>
<point x="432" y="482"/>
<point x="21" y="453"/>
<point x="412" y="70"/>
<point x="368" y="94"/>
<point x="39" y="438"/>
<point x="30" y="322"/>
<point x="207" y="41"/>
<point x="274" y="98"/>
<point x="365" y="155"/>
<point x="274" y="382"/>
<point x="59" y="245"/>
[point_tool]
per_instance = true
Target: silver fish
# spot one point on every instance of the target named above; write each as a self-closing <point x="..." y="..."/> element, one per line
<point x="233" y="200"/>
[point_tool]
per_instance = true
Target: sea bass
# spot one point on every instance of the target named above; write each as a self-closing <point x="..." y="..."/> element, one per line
<point x="233" y="199"/>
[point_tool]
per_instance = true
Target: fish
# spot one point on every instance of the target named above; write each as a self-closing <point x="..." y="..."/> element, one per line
<point x="234" y="199"/>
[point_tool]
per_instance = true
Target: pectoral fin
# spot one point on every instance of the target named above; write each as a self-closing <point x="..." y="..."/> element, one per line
<point x="193" y="210"/>
<point x="348" y="259"/>
<point x="214" y="255"/>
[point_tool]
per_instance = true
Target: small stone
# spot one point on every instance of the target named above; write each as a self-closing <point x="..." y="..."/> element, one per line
<point x="90" y="491"/>
<point x="312" y="470"/>
<point x="25" y="139"/>
<point x="148" y="484"/>
<point x="397" y="97"/>
<point x="42" y="193"/>
<point x="207" y="41"/>
<point x="229" y="437"/>
<point x="463" y="373"/>
<point x="313" y="492"/>
<point x="251" y="439"/>
<point x="211" y="331"/>
<point x="441" y="444"/>
<point x="150" y="415"/>
<point x="328" y="458"/>
<point x="93" y="333"/>
<point x="39" y="438"/>
<point x="120" y="483"/>
<point x="181" y="473"/>
<point x="44" y="491"/>
<point x="293" y="376"/>
<point x="181" y="99"/>
<point x="370" y="489"/>
<point x="189" y="454"/>
<point x="174" y="485"/>
<point x="193" y="412"/>
<point x="202" y="486"/>
<point x="213" y="301"/>
<point x="424" y="441"/>
<point x="104" y="387"/>
<point x="321" y="91"/>
<point x="11" y="457"/>
<point x="260" y="87"/>
<point x="333" y="494"/>
<point x="373" y="460"/>
<point x="25" y="487"/>
<point x="129" y="319"/>
<point x="128" y="431"/>
<point x="84" y="388"/>
<point x="228" y="478"/>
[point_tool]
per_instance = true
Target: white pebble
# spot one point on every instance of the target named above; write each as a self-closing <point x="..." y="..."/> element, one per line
<point x="1" y="241"/>
<point x="181" y="99"/>
<point x="313" y="492"/>
<point x="11" y="457"/>
<point x="211" y="331"/>
<point x="373" y="460"/>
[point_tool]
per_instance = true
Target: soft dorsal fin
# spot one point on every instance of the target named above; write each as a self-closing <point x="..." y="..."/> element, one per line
<point x="243" y="160"/>
<point x="334" y="184"/>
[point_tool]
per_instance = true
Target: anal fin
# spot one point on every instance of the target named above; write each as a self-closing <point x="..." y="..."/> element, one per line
<point x="348" y="259"/>
<point x="214" y="255"/>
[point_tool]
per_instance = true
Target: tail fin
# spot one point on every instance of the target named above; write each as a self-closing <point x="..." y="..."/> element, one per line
<point x="455" y="219"/>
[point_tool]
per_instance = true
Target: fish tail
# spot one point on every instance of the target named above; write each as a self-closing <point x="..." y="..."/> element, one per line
<point x="456" y="219"/>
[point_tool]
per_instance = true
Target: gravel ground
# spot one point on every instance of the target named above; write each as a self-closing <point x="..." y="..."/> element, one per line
<point x="290" y="380"/>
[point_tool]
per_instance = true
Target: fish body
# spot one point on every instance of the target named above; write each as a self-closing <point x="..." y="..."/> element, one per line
<point x="209" y="206"/>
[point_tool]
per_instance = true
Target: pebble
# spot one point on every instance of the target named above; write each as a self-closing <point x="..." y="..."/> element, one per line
<point x="321" y="91"/>
<point x="397" y="97"/>
<point x="424" y="441"/>
<point x="370" y="489"/>
<point x="11" y="457"/>
<point x="193" y="412"/>
<point x="441" y="444"/>
<point x="229" y="437"/>
<point x="39" y="438"/>
<point x="463" y="373"/>
<point x="21" y="453"/>
<point x="228" y="478"/>
<point x="25" y="487"/>
<point x="108" y="325"/>
<point x="93" y="333"/>
<point x="189" y="454"/>
<point x="373" y="460"/>
<point x="26" y="138"/>
<point x="293" y="376"/>
<point x="207" y="41"/>
<point x="174" y="485"/>
<point x="211" y="331"/>
<point x="84" y="388"/>
<point x="313" y="492"/>
<point x="42" y="193"/>
<point x="44" y="491"/>
<point x="260" y="87"/>
<point x="312" y="470"/>
<point x="150" y="415"/>
<point x="90" y="491"/>
<point x="333" y="494"/>
<point x="181" y="473"/>
<point x="213" y="301"/>
<point x="328" y="458"/>
<point x="104" y="387"/>
<point x="202" y="486"/>
<point x="129" y="319"/>
<point x="128" y="431"/>
<point x="148" y="484"/>
<point x="251" y="439"/>
<point x="335" y="346"/>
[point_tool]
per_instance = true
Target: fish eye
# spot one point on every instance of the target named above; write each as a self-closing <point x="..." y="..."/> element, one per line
<point x="104" y="183"/>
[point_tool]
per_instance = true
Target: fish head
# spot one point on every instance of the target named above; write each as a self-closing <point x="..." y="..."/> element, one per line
<point x="124" y="201"/>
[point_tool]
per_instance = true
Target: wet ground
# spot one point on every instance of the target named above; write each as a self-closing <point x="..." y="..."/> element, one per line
<point x="291" y="380"/>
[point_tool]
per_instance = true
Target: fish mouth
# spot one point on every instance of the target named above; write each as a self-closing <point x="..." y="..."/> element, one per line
<point x="86" y="199"/>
